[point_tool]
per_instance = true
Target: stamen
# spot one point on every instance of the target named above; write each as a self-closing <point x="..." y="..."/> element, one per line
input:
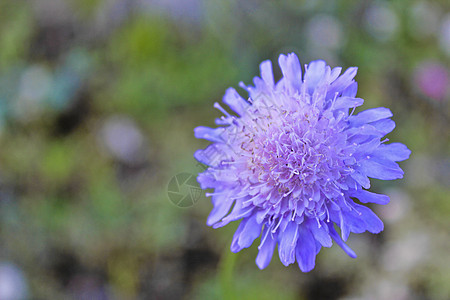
<point x="318" y="222"/>
<point x="278" y="225"/>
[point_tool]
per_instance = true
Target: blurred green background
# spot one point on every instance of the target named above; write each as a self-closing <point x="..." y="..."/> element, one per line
<point x="98" y="101"/>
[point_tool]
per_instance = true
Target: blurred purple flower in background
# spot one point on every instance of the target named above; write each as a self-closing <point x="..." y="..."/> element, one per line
<point x="432" y="79"/>
<point x="13" y="284"/>
<point x="325" y="36"/>
<point x="325" y="32"/>
<point x="123" y="140"/>
<point x="381" y="21"/>
<point x="185" y="10"/>
<point x="292" y="161"/>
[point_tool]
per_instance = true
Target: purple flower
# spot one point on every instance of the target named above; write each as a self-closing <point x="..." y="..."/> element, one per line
<point x="293" y="161"/>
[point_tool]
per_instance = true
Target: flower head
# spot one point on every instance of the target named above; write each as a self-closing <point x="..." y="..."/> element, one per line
<point x="293" y="161"/>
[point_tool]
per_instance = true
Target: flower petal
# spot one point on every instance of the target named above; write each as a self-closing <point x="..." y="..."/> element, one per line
<point x="361" y="179"/>
<point x="361" y="219"/>
<point x="222" y="205"/>
<point x="335" y="236"/>
<point x="313" y="74"/>
<point x="266" y="249"/>
<point x="373" y="223"/>
<point x="394" y="152"/>
<point x="364" y="130"/>
<point x="351" y="90"/>
<point x="292" y="72"/>
<point x="369" y="197"/>
<point x="234" y="243"/>
<point x="211" y="155"/>
<point x="344" y="81"/>
<point x="238" y="212"/>
<point x="206" y="180"/>
<point x="385" y="170"/>
<point x="288" y="240"/>
<point x="306" y="250"/>
<point x="366" y="148"/>
<point x="320" y="233"/>
<point x="335" y="74"/>
<point x="384" y="126"/>
<point x="210" y="134"/>
<point x="370" y="115"/>
<point x="250" y="232"/>
<point x="235" y="101"/>
<point x="266" y="73"/>
<point x="347" y="102"/>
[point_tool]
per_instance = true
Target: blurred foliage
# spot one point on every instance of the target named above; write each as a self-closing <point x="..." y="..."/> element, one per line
<point x="98" y="100"/>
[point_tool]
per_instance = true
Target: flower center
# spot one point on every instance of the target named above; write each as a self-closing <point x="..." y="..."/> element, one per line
<point x="294" y="160"/>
